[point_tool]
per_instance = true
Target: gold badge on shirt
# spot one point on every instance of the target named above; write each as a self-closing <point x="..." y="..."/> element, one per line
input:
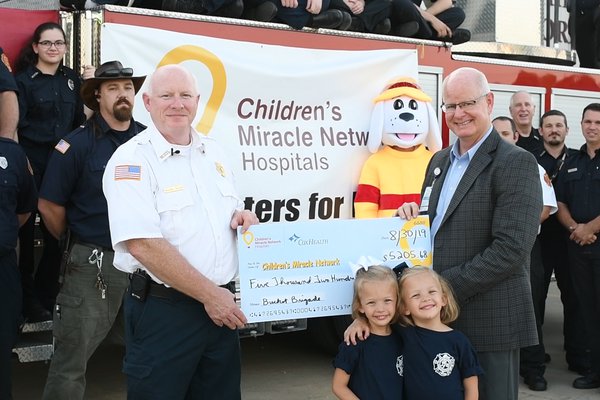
<point x="220" y="168"/>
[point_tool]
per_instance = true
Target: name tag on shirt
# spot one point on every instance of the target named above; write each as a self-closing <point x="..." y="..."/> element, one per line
<point x="425" y="200"/>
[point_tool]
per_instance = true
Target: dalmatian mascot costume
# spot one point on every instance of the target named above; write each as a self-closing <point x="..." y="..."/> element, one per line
<point x="404" y="121"/>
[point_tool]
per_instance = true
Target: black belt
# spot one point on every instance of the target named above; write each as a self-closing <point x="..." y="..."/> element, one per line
<point x="156" y="289"/>
<point x="94" y="246"/>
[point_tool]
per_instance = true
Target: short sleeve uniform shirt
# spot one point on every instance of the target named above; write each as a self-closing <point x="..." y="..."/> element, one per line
<point x="18" y="194"/>
<point x="375" y="366"/>
<point x="73" y="178"/>
<point x="183" y="194"/>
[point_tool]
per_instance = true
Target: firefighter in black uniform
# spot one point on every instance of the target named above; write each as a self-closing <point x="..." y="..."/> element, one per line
<point x="49" y="108"/>
<point x="578" y="194"/>
<point x="553" y="239"/>
<point x="18" y="198"/>
<point x="71" y="198"/>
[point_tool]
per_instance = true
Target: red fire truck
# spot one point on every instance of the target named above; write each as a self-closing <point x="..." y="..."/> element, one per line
<point x="547" y="73"/>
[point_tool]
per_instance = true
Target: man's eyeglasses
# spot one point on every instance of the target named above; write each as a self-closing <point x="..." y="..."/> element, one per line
<point x="465" y="105"/>
<point x="116" y="72"/>
<point x="59" y="44"/>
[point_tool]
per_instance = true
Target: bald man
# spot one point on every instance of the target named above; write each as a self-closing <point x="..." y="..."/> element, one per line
<point x="173" y="214"/>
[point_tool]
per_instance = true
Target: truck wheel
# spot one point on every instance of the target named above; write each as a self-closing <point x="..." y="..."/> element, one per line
<point x="328" y="332"/>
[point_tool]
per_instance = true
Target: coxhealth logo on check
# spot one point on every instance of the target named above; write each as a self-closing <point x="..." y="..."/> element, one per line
<point x="307" y="242"/>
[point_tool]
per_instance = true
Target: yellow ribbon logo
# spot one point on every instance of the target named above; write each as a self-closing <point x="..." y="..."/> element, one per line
<point x="217" y="71"/>
<point x="248" y="237"/>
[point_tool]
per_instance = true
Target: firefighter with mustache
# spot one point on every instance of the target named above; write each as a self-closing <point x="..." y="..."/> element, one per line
<point x="74" y="209"/>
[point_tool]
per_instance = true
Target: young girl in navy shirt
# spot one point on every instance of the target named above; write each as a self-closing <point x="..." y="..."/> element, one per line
<point x="439" y="362"/>
<point x="373" y="368"/>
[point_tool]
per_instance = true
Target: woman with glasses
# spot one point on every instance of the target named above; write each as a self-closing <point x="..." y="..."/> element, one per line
<point x="49" y="108"/>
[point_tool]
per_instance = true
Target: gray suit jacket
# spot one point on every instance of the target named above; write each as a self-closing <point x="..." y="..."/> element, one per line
<point x="484" y="242"/>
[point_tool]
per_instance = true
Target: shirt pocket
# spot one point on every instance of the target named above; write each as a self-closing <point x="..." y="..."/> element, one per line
<point x="228" y="191"/>
<point x="171" y="206"/>
<point x="230" y="199"/>
<point x="596" y="172"/>
<point x="573" y="176"/>
<point x="96" y="167"/>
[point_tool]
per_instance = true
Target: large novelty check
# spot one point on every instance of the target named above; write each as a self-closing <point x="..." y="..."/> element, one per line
<point x="302" y="269"/>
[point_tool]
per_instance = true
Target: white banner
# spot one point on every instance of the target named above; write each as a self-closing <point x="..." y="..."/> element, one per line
<point x="294" y="120"/>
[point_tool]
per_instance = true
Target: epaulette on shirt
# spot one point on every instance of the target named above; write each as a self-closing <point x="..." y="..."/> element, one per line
<point x="65" y="143"/>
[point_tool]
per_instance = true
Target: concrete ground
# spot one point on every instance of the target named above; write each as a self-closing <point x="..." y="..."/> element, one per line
<point x="289" y="366"/>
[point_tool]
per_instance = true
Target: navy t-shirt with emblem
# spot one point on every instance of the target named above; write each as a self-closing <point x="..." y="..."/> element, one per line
<point x="374" y="366"/>
<point x="436" y="363"/>
<point x="73" y="177"/>
<point x="18" y="194"/>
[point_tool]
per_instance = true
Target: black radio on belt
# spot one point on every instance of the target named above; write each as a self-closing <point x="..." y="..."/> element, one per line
<point x="139" y="285"/>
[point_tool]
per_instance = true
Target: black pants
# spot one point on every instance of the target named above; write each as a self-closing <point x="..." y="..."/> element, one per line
<point x="405" y="11"/>
<point x="532" y="357"/>
<point x="554" y="240"/>
<point x="375" y="11"/>
<point x="39" y="284"/>
<point x="10" y="317"/>
<point x="170" y="339"/>
<point x="44" y="287"/>
<point x="585" y="268"/>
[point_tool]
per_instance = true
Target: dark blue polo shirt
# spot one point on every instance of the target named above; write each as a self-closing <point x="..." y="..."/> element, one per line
<point x="7" y="81"/>
<point x="532" y="143"/>
<point x="17" y="192"/>
<point x="578" y="187"/>
<point x="554" y="165"/>
<point x="49" y="105"/>
<point x="73" y="177"/>
<point x="551" y="228"/>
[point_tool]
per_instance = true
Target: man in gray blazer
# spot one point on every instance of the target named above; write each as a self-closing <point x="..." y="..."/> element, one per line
<point x="483" y="197"/>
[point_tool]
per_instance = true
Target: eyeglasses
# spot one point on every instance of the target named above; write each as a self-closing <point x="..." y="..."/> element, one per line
<point x="116" y="72"/>
<point x="465" y="105"/>
<point x="59" y="44"/>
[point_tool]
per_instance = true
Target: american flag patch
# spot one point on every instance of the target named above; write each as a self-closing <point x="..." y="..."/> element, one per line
<point x="62" y="146"/>
<point x="132" y="172"/>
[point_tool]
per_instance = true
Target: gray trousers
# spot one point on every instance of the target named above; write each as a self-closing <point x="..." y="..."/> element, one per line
<point x="82" y="319"/>
<point x="501" y="375"/>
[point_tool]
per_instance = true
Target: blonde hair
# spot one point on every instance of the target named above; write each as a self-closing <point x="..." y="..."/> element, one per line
<point x="374" y="273"/>
<point x="448" y="313"/>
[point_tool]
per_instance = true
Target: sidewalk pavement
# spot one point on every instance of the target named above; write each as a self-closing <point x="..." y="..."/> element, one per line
<point x="289" y="366"/>
<point x="559" y="378"/>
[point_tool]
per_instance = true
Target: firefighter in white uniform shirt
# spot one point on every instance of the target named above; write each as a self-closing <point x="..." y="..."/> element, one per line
<point x="173" y="211"/>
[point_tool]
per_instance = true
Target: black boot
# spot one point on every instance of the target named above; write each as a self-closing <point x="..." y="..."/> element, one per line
<point x="231" y="10"/>
<point x="264" y="12"/>
<point x="383" y="28"/>
<point x="329" y="19"/>
<point x="346" y="21"/>
<point x="407" y="29"/>
<point x="458" y="36"/>
<point x="356" y="25"/>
